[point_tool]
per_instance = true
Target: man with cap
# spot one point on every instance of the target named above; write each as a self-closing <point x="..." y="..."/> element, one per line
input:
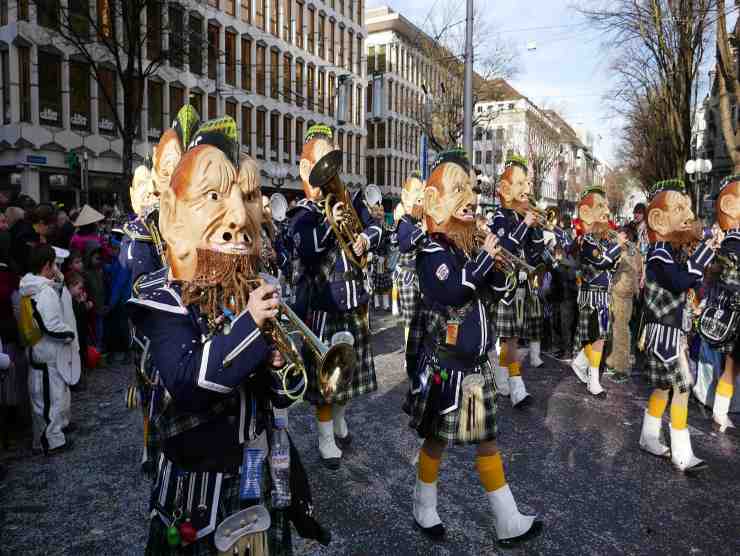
<point x="519" y="313"/>
<point x="456" y="404"/>
<point x="330" y="292"/>
<point x="207" y="323"/>
<point x="671" y="227"/>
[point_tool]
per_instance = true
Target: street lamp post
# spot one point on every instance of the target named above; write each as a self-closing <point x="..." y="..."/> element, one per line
<point x="697" y="169"/>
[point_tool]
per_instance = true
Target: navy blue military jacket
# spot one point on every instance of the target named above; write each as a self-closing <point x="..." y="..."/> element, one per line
<point x="138" y="254"/>
<point x="666" y="272"/>
<point x="597" y="259"/>
<point x="200" y="371"/>
<point x="324" y="263"/>
<point x="451" y="286"/>
<point x="516" y="237"/>
<point x="410" y="234"/>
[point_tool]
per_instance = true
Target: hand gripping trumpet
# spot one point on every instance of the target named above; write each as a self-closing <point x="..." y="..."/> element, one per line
<point x="505" y="259"/>
<point x="335" y="364"/>
<point x="325" y="175"/>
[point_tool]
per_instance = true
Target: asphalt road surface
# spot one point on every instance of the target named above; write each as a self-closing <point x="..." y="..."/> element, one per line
<point x="569" y="457"/>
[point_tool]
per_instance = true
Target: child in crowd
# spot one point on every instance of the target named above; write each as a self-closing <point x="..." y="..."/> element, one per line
<point x="81" y="306"/>
<point x="96" y="291"/>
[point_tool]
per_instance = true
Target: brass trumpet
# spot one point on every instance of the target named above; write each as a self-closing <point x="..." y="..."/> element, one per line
<point x="506" y="261"/>
<point x="547" y="218"/>
<point x="325" y="175"/>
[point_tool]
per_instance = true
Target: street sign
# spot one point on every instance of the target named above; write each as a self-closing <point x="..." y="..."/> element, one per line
<point x="424" y="157"/>
<point x="35" y="159"/>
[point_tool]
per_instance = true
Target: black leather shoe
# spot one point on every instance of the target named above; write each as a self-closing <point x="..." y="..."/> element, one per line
<point x="63" y="448"/>
<point x="72" y="427"/>
<point x="525" y="402"/>
<point x="331" y="463"/>
<point x="343" y="442"/>
<point x="435" y="532"/>
<point x="534" y="531"/>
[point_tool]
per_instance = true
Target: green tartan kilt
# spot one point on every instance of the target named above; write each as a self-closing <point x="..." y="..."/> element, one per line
<point x="278" y="535"/>
<point x="588" y="330"/>
<point x="529" y="327"/>
<point x="446" y="427"/>
<point x="325" y="325"/>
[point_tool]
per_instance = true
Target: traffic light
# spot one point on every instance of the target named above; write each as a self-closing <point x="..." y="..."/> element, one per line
<point x="73" y="162"/>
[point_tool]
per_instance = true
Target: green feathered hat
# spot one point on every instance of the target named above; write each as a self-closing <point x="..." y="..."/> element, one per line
<point x="728" y="180"/>
<point x="675" y="184"/>
<point x="517" y="160"/>
<point x="593" y="189"/>
<point x="186" y="123"/>
<point x="453" y="156"/>
<point x="319" y="130"/>
<point x="221" y="133"/>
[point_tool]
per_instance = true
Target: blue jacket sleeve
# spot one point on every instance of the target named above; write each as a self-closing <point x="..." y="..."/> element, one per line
<point x="510" y="239"/>
<point x="372" y="230"/>
<point x="673" y="277"/>
<point x="312" y="235"/>
<point x="598" y="258"/>
<point x="409" y="235"/>
<point x="440" y="279"/>
<point x="198" y="373"/>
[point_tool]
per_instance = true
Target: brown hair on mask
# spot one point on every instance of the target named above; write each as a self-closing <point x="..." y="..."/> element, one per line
<point x="660" y="202"/>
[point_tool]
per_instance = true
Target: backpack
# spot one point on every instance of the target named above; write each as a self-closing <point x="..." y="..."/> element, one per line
<point x="28" y="328"/>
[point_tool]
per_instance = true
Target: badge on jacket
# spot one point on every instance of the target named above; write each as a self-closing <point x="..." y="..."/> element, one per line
<point x="442" y="272"/>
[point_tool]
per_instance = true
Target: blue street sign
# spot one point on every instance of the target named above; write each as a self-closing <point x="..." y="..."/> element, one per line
<point x="424" y="157"/>
<point x="35" y="159"/>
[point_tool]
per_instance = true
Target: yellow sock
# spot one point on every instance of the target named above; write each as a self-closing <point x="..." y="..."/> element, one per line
<point x="491" y="471"/>
<point x="679" y="416"/>
<point x="587" y="351"/>
<point x="502" y="356"/>
<point x="594" y="358"/>
<point x="323" y="413"/>
<point x="725" y="389"/>
<point x="657" y="404"/>
<point x="515" y="369"/>
<point x="428" y="467"/>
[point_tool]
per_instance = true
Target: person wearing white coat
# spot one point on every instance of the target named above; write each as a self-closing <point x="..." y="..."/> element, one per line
<point x="54" y="359"/>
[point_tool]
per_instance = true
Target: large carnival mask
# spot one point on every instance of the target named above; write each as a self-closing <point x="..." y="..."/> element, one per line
<point x="211" y="207"/>
<point x="313" y="151"/>
<point x="593" y="211"/>
<point x="514" y="187"/>
<point x="670" y="218"/>
<point x="412" y="197"/>
<point x="728" y="204"/>
<point x="449" y="204"/>
<point x="143" y="191"/>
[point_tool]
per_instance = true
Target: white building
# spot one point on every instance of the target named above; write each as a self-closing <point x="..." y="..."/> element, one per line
<point x="275" y="66"/>
<point x="403" y="76"/>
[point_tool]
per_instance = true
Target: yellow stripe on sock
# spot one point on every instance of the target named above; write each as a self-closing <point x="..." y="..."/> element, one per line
<point x="515" y="369"/>
<point x="679" y="416"/>
<point x="323" y="413"/>
<point x="428" y="467"/>
<point x="491" y="471"/>
<point x="725" y="389"/>
<point x="502" y="355"/>
<point x="657" y="404"/>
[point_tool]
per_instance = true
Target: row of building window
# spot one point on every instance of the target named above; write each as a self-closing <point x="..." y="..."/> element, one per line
<point x="389" y="171"/>
<point x="353" y="9"/>
<point x="406" y="63"/>
<point x="401" y="136"/>
<point x="316" y="91"/>
<point x="401" y="99"/>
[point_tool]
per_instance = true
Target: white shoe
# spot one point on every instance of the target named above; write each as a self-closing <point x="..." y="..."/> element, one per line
<point x="425" y="509"/>
<point x="328" y="450"/>
<point x="510" y="524"/>
<point x="682" y="455"/>
<point x="580" y="366"/>
<point x="519" y="395"/>
<point x="594" y="386"/>
<point x="501" y="378"/>
<point x="534" y="355"/>
<point x="650" y="436"/>
<point x="719" y="413"/>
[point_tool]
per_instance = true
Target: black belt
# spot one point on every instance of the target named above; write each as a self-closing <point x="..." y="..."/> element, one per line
<point x="446" y="355"/>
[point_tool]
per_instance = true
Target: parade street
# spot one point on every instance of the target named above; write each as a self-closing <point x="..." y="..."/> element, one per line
<point x="569" y="457"/>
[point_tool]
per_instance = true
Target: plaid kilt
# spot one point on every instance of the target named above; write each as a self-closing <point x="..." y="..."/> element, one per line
<point x="665" y="375"/>
<point x="589" y="330"/>
<point x="325" y="325"/>
<point x="382" y="282"/>
<point x="278" y="535"/>
<point x="446" y="427"/>
<point x="409" y="297"/>
<point x="531" y="325"/>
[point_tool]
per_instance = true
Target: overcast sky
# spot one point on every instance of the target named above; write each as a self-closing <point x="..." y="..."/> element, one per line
<point x="568" y="71"/>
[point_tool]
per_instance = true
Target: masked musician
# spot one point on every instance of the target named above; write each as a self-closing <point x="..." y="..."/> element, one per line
<point x="598" y="259"/>
<point x="519" y="314"/>
<point x="380" y="274"/>
<point x="410" y="232"/>
<point x="728" y="218"/>
<point x="670" y="224"/>
<point x="330" y="291"/>
<point x="204" y="326"/>
<point x="142" y="253"/>
<point x="457" y="402"/>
